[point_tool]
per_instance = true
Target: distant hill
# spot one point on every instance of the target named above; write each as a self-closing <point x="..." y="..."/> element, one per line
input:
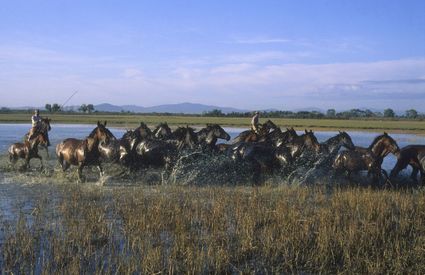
<point x="180" y="108"/>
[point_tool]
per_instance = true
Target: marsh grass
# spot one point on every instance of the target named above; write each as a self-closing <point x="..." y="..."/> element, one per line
<point x="173" y="229"/>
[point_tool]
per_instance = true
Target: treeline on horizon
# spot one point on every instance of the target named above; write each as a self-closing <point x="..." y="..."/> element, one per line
<point x="329" y="114"/>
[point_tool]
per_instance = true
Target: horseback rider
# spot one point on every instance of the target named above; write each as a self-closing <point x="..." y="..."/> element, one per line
<point x="254" y="122"/>
<point x="36" y="123"/>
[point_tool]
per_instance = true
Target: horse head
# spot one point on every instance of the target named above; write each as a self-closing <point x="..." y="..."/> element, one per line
<point x="144" y="130"/>
<point x="45" y="124"/>
<point x="310" y="140"/>
<point x="269" y="125"/>
<point x="162" y="131"/>
<point x="345" y="140"/>
<point x="384" y="144"/>
<point x="101" y="133"/>
<point x="217" y="131"/>
<point x="186" y="137"/>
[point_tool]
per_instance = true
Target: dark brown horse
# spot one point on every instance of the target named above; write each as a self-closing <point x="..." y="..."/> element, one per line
<point x="163" y="153"/>
<point x="84" y="152"/>
<point x="207" y="137"/>
<point x="304" y="144"/>
<point x="144" y="130"/>
<point x="27" y="150"/>
<point x="43" y="128"/>
<point x="162" y="131"/>
<point x="413" y="155"/>
<point x="251" y="136"/>
<point x="369" y="159"/>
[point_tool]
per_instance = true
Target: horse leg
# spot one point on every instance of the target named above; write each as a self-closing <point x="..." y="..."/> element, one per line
<point x="80" y="171"/>
<point x="13" y="158"/>
<point x="47" y="152"/>
<point x="400" y="165"/>
<point x="414" y="175"/>
<point x="99" y="167"/>
<point x="41" y="160"/>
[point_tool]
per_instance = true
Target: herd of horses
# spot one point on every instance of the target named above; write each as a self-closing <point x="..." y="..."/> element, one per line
<point x="267" y="150"/>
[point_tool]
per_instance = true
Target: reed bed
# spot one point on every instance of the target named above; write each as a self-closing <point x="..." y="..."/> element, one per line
<point x="183" y="229"/>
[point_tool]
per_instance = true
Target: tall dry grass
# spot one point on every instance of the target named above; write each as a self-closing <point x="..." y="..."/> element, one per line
<point x="218" y="230"/>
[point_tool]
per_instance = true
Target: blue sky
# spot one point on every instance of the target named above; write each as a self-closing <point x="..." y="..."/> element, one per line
<point x="246" y="54"/>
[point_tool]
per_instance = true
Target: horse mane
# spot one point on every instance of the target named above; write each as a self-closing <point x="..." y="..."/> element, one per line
<point x="377" y="139"/>
<point x="106" y="130"/>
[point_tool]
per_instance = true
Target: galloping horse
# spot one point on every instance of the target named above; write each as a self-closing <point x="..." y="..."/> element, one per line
<point x="27" y="150"/>
<point x="85" y="152"/>
<point x="333" y="144"/>
<point x="207" y="137"/>
<point x="305" y="143"/>
<point x="251" y="136"/>
<point x="161" y="153"/>
<point x="162" y="131"/>
<point x="413" y="155"/>
<point x="369" y="159"/>
<point x="278" y="138"/>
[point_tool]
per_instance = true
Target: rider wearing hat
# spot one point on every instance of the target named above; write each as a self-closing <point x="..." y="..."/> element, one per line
<point x="254" y="122"/>
<point x="35" y="121"/>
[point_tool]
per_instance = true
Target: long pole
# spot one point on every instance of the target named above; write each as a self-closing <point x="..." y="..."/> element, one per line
<point x="69" y="98"/>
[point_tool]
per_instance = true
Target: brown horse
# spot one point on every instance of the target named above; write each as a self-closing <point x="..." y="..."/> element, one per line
<point x="84" y="152"/>
<point x="43" y="128"/>
<point x="251" y="136"/>
<point x="27" y="150"/>
<point x="413" y="155"/>
<point x="369" y="159"/>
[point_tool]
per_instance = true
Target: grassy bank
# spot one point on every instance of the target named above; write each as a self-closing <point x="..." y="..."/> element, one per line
<point x="217" y="230"/>
<point x="124" y="120"/>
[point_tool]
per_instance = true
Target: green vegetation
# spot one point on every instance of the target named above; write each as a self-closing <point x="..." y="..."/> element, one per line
<point x="171" y="229"/>
<point x="132" y="120"/>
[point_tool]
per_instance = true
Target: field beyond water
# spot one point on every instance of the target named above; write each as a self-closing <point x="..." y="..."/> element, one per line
<point x="172" y="229"/>
<point x="132" y="120"/>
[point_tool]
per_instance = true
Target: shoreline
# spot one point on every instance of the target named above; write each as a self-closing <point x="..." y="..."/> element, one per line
<point x="420" y="132"/>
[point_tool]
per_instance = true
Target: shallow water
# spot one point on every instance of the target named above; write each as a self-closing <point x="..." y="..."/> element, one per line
<point x="10" y="133"/>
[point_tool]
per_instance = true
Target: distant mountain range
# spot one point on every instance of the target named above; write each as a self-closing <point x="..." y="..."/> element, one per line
<point x="181" y="108"/>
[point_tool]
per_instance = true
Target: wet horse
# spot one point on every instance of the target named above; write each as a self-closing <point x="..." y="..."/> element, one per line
<point x="84" y="152"/>
<point x="144" y="130"/>
<point x="162" y="131"/>
<point x="303" y="145"/>
<point x="251" y="136"/>
<point x="162" y="153"/>
<point x="369" y="159"/>
<point x="43" y="128"/>
<point x="207" y="137"/>
<point x="413" y="155"/>
<point x="276" y="137"/>
<point x="27" y="150"/>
